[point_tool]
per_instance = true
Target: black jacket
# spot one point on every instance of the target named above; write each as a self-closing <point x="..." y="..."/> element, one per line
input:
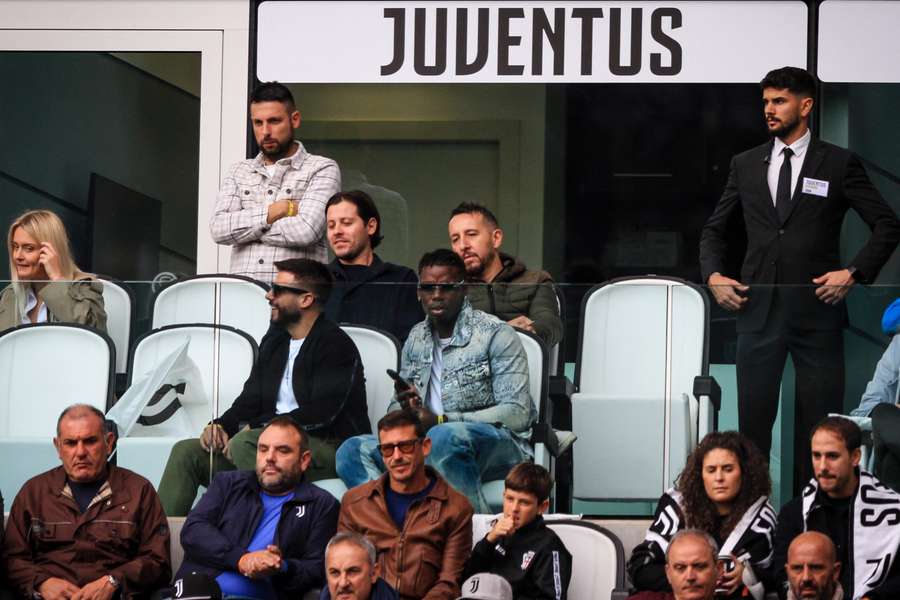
<point x="533" y="560"/>
<point x="373" y="301"/>
<point x="832" y="520"/>
<point x="807" y="243"/>
<point x="328" y="384"/>
<point x="218" y="530"/>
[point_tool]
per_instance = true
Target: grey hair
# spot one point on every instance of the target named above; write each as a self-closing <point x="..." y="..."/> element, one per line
<point x="696" y="533"/>
<point x="360" y="541"/>
<point x="79" y="410"/>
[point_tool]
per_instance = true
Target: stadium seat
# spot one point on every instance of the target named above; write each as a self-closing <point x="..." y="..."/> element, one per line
<point x="379" y="351"/>
<point x="598" y="560"/>
<point x="644" y="397"/>
<point x="224" y="357"/>
<point x="118" y="301"/>
<point x="43" y="369"/>
<point x="231" y="300"/>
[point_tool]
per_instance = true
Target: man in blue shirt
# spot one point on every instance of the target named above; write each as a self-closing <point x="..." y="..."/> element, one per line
<point x="263" y="535"/>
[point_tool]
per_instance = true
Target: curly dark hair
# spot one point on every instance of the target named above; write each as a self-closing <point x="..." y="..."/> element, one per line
<point x="699" y="510"/>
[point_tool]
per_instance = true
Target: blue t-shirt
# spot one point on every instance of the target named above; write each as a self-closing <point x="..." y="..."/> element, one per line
<point x="398" y="504"/>
<point x="235" y="584"/>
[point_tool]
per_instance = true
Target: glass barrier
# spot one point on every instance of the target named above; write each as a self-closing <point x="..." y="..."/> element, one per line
<point x="621" y="362"/>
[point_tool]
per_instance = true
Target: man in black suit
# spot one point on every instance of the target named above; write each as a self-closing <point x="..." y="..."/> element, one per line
<point x="792" y="193"/>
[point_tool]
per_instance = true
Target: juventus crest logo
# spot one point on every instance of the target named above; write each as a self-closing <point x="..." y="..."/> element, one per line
<point x="473" y="585"/>
<point x="301" y="510"/>
<point x="179" y="587"/>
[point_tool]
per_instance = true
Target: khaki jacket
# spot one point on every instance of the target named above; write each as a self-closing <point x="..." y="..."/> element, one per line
<point x="78" y="302"/>
<point x="425" y="558"/>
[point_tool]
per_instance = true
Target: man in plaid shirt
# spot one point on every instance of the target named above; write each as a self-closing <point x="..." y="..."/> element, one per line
<point x="272" y="207"/>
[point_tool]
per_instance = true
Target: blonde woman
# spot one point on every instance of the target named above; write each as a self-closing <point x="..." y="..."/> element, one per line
<point x="47" y="286"/>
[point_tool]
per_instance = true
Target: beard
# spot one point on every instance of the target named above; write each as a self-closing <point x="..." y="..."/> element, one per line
<point x="280" y="149"/>
<point x="785" y="128"/>
<point x="280" y="483"/>
<point x="287" y="318"/>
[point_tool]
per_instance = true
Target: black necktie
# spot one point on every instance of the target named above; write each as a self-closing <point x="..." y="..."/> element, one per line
<point x="783" y="191"/>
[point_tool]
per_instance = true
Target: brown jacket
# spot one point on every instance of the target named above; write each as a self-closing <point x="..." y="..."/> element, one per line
<point x="426" y="558"/>
<point x="123" y="533"/>
<point x="78" y="301"/>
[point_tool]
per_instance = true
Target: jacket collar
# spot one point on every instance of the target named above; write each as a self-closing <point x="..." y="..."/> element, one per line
<point x="375" y="269"/>
<point x="117" y="490"/>
<point x="295" y="160"/>
<point x="438" y="492"/>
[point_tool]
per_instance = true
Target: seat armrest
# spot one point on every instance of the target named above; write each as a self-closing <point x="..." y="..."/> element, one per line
<point x="560" y="402"/>
<point x="706" y="385"/>
<point x="542" y="433"/>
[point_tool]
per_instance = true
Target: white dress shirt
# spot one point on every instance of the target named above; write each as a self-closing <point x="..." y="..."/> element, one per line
<point x="777" y="158"/>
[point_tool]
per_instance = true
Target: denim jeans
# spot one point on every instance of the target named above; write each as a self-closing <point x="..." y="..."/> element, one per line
<point x="464" y="453"/>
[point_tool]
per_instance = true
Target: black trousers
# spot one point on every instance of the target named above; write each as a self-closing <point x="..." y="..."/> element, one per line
<point x="819" y="364"/>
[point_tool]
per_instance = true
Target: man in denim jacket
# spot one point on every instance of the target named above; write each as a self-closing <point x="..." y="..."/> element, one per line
<point x="465" y="372"/>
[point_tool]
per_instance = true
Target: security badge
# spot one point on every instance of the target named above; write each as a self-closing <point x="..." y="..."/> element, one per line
<point x="527" y="558"/>
<point x="816" y="187"/>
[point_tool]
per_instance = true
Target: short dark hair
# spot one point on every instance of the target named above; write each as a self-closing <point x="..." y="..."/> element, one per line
<point x="366" y="209"/>
<point x="401" y="418"/>
<point x="287" y="422"/>
<point x="312" y="273"/>
<point x="468" y="208"/>
<point x="442" y="257"/>
<point x="795" y="80"/>
<point x="80" y="410"/>
<point x="530" y="478"/>
<point x="842" y="427"/>
<point x="272" y="91"/>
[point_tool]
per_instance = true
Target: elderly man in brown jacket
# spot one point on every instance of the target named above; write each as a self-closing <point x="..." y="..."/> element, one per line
<point x="421" y="527"/>
<point x="86" y="530"/>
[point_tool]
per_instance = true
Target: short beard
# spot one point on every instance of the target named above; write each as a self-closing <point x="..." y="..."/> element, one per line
<point x="287" y="319"/>
<point x="280" y="151"/>
<point x="286" y="482"/>
<point x="785" y="129"/>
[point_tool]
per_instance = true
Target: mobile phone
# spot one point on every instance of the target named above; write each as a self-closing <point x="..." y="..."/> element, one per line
<point x="396" y="377"/>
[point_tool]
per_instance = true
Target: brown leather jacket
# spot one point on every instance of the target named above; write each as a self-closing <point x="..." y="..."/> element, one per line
<point x="426" y="558"/>
<point x="123" y="533"/>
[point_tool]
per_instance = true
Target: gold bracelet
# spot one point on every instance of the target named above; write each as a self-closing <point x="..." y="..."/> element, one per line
<point x="291" y="208"/>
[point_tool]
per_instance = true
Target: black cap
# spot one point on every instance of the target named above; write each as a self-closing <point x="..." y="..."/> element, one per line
<point x="196" y="586"/>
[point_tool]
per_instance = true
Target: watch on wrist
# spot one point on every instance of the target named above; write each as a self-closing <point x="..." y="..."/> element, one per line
<point x="855" y="274"/>
<point x="113" y="581"/>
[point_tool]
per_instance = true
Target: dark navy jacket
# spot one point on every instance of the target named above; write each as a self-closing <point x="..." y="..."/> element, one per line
<point x="218" y="530"/>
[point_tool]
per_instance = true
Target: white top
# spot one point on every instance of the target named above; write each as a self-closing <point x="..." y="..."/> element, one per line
<point x="777" y="159"/>
<point x="270" y="169"/>
<point x="433" y="399"/>
<point x="30" y="302"/>
<point x="286" y="400"/>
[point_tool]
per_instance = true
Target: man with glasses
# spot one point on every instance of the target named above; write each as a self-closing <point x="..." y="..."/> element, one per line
<point x="472" y="371"/>
<point x="420" y="526"/>
<point x="307" y="368"/>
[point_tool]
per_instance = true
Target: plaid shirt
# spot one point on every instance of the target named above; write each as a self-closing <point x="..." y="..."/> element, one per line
<point x="239" y="219"/>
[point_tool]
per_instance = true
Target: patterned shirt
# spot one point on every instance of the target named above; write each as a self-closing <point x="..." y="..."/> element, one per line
<point x="239" y="218"/>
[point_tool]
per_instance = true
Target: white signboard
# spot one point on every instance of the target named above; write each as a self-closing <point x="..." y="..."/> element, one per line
<point x="513" y="42"/>
<point x="859" y="41"/>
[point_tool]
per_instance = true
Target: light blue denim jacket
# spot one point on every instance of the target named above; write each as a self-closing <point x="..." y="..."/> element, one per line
<point x="485" y="372"/>
<point x="883" y="387"/>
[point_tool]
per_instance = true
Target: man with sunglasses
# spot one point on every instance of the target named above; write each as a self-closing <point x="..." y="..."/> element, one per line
<point x="307" y="368"/>
<point x="465" y="373"/>
<point x="420" y="526"/>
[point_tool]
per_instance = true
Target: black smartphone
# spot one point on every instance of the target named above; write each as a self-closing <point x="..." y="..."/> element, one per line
<point x="396" y="377"/>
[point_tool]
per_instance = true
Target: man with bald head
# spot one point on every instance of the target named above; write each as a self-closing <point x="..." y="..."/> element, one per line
<point x="86" y="530"/>
<point x="691" y="565"/>
<point x="812" y="568"/>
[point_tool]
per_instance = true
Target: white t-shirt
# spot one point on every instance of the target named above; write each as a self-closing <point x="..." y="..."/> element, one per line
<point x="270" y="169"/>
<point x="433" y="401"/>
<point x="286" y="401"/>
<point x="30" y="303"/>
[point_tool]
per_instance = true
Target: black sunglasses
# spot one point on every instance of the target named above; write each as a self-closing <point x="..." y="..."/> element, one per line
<point x="443" y="287"/>
<point x="406" y="447"/>
<point x="279" y="289"/>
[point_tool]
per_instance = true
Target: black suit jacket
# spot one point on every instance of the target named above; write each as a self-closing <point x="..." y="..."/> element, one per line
<point x="807" y="243"/>
<point x="328" y="383"/>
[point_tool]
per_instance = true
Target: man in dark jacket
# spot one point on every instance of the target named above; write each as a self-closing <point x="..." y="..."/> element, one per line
<point x="263" y="534"/>
<point x="521" y="297"/>
<point x="520" y="547"/>
<point x="367" y="291"/>
<point x="352" y="570"/>
<point x="307" y="368"/>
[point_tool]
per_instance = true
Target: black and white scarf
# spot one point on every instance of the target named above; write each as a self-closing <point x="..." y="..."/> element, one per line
<point x="875" y="534"/>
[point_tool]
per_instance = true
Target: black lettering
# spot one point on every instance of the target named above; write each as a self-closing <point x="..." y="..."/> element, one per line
<point x="399" y="16"/>
<point x="674" y="48"/>
<point x="587" y="16"/>
<point x="440" y="44"/>
<point x="869" y="495"/>
<point x="504" y="41"/>
<point x="868" y="518"/>
<point x="540" y="27"/>
<point x="462" y="26"/>
<point x="615" y="42"/>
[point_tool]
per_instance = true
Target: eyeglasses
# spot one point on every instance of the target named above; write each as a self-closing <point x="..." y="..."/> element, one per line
<point x="430" y="288"/>
<point x="406" y="447"/>
<point x="278" y="289"/>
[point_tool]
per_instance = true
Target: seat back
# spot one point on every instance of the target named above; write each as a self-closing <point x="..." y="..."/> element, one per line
<point x="379" y="351"/>
<point x="118" y="301"/>
<point x="538" y="370"/>
<point x="224" y="357"/>
<point x="231" y="300"/>
<point x="47" y="367"/>
<point x="597" y="559"/>
<point x="642" y="342"/>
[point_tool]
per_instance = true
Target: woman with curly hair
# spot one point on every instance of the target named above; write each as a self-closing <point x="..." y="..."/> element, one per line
<point x="723" y="490"/>
<point x="47" y="285"/>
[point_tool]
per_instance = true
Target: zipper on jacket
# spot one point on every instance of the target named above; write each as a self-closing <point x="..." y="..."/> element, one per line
<point x="493" y="305"/>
